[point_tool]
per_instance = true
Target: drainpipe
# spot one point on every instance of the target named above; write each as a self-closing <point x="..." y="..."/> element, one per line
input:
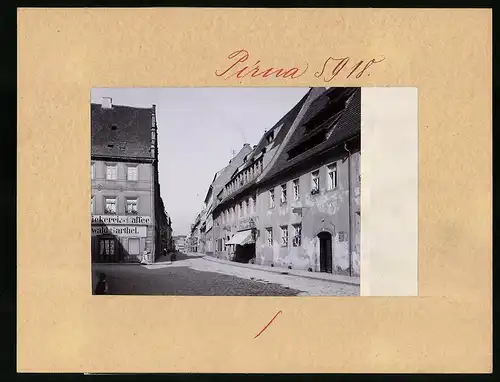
<point x="349" y="194"/>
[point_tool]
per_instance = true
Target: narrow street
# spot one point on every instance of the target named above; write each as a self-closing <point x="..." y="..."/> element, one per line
<point x="191" y="275"/>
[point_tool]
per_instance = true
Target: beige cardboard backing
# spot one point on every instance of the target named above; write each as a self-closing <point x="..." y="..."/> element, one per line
<point x="62" y="327"/>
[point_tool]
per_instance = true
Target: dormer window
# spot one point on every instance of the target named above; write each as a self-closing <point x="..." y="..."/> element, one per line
<point x="270" y="137"/>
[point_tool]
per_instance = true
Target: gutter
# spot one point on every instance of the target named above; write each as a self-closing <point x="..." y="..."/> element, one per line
<point x="349" y="195"/>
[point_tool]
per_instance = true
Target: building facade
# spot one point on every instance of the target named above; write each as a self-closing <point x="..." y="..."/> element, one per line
<point x="180" y="243"/>
<point x="295" y="203"/>
<point x="209" y="232"/>
<point x="236" y="214"/>
<point x="127" y="213"/>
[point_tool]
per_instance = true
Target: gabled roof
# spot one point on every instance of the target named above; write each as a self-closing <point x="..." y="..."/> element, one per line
<point x="286" y="122"/>
<point x="121" y="131"/>
<point x="346" y="124"/>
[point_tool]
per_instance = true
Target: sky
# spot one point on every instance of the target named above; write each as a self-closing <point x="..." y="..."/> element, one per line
<point x="198" y="129"/>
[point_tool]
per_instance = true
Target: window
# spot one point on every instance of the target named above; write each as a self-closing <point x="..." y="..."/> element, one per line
<point x="271" y="198"/>
<point x="133" y="246"/>
<point x="315" y="182"/>
<point x="251" y="204"/>
<point x="92" y="171"/>
<point x="283" y="193"/>
<point x="296" y="190"/>
<point x="132" y="173"/>
<point x="243" y="208"/>
<point x="111" y="172"/>
<point x="92" y="205"/>
<point x="131" y="207"/>
<point x="270" y="137"/>
<point x="110" y="206"/>
<point x="284" y="236"/>
<point x="332" y="176"/>
<point x="269" y="234"/>
<point x="297" y="235"/>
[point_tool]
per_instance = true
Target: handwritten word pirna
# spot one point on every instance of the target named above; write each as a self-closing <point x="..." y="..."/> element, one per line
<point x="340" y="67"/>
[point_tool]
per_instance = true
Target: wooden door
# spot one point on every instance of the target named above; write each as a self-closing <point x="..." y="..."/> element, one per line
<point x="325" y="252"/>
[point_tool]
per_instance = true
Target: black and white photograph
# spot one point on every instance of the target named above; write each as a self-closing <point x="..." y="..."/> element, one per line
<point x="226" y="191"/>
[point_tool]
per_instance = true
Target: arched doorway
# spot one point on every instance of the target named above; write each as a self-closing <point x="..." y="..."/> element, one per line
<point x="325" y="252"/>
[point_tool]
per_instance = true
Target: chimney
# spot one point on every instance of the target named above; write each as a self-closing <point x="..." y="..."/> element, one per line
<point x="107" y="103"/>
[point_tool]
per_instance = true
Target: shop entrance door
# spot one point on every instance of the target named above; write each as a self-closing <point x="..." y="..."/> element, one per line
<point x="107" y="251"/>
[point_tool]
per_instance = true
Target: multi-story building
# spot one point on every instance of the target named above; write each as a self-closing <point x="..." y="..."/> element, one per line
<point x="126" y="207"/>
<point x="219" y="180"/>
<point x="180" y="243"/>
<point x="165" y="224"/>
<point x="298" y="206"/>
<point x="235" y="215"/>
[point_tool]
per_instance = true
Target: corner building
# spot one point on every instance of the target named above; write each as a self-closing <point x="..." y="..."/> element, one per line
<point x="126" y="207"/>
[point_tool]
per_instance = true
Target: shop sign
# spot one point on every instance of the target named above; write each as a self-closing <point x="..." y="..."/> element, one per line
<point x="246" y="224"/>
<point x="121" y="231"/>
<point x="120" y="219"/>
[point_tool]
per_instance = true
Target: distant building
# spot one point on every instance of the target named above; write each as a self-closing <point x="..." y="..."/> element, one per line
<point x="127" y="211"/>
<point x="204" y="235"/>
<point x="180" y="243"/>
<point x="294" y="202"/>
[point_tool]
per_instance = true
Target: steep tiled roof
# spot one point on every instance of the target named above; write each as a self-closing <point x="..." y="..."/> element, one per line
<point x="346" y="125"/>
<point x="287" y="122"/>
<point x="121" y="131"/>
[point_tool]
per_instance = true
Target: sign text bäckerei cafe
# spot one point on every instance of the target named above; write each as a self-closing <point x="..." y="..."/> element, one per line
<point x="120" y="219"/>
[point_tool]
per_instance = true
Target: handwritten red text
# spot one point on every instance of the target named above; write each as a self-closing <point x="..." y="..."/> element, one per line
<point x="335" y="66"/>
<point x="240" y="70"/>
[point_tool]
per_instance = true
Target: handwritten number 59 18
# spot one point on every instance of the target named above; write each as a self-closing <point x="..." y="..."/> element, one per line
<point x="334" y="66"/>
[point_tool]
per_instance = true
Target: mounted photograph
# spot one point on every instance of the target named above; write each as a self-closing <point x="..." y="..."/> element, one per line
<point x="226" y="191"/>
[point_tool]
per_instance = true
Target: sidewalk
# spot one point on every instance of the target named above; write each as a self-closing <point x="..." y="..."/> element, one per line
<point x="292" y="272"/>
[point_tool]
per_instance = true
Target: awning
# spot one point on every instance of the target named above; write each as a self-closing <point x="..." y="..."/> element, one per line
<point x="241" y="238"/>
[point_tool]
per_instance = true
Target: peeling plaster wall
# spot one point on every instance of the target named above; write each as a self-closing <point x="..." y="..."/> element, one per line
<point x="326" y="211"/>
<point x="356" y="212"/>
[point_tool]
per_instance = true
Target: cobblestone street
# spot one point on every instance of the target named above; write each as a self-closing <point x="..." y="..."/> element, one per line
<point x="192" y="275"/>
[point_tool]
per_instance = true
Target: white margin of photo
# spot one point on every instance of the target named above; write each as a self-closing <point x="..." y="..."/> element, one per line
<point x="389" y="191"/>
